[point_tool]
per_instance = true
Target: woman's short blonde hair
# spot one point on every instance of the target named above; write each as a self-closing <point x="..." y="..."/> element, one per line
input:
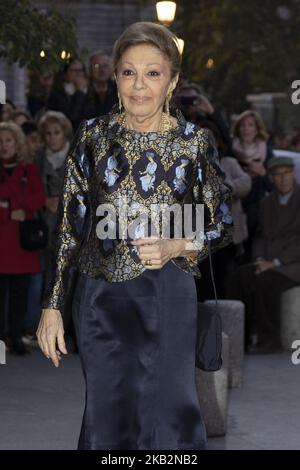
<point x="55" y="117"/>
<point x="19" y="137"/>
<point x="261" y="128"/>
<point x="145" y="32"/>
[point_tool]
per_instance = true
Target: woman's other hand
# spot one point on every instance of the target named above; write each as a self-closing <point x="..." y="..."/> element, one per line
<point x="18" y="215"/>
<point x="50" y="335"/>
<point x="256" y="168"/>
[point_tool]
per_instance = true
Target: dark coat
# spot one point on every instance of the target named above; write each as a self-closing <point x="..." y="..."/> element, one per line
<point x="278" y="234"/>
<point x="13" y="258"/>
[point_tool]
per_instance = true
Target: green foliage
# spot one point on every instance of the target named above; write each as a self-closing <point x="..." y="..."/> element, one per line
<point x="255" y="46"/>
<point x="25" y="31"/>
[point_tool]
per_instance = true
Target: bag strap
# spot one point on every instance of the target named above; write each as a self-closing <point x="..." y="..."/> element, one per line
<point x="212" y="272"/>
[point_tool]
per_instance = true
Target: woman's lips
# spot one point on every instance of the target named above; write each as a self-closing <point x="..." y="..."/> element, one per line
<point x="140" y="99"/>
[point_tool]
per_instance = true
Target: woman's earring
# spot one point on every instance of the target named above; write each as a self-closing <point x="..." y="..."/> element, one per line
<point x="167" y="104"/>
<point x="120" y="102"/>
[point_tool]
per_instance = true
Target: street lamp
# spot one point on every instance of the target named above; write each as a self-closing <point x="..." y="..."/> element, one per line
<point x="210" y="63"/>
<point x="166" y="12"/>
<point x="65" y="55"/>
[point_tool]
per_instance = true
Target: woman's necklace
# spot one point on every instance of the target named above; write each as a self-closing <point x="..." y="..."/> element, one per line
<point x="165" y="123"/>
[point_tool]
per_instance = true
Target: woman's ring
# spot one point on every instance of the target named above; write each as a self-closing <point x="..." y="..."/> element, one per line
<point x="148" y="262"/>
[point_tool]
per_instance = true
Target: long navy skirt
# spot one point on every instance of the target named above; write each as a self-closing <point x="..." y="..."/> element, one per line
<point x="136" y="342"/>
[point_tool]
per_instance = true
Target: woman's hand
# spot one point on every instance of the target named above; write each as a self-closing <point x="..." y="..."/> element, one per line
<point x="263" y="265"/>
<point x="4" y="204"/>
<point x="256" y="168"/>
<point x="159" y="251"/>
<point x="50" y="335"/>
<point x="18" y="215"/>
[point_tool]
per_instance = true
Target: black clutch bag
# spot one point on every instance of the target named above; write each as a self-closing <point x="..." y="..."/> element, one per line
<point x="209" y="333"/>
<point x="209" y="338"/>
<point x="33" y="233"/>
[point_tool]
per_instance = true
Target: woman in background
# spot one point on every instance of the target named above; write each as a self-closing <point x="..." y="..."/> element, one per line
<point x="21" y="194"/>
<point x="226" y="261"/>
<point x="55" y="130"/>
<point x="68" y="94"/>
<point x="250" y="146"/>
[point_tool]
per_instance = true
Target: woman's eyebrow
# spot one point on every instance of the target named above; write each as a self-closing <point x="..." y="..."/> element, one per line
<point x="152" y="63"/>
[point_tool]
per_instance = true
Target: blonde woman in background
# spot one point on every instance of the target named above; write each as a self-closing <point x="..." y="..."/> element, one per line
<point x="21" y="194"/>
<point x="250" y="146"/>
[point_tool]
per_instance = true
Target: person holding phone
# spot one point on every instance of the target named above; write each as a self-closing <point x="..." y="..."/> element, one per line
<point x="197" y="108"/>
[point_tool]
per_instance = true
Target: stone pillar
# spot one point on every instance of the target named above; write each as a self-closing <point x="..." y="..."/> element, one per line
<point x="212" y="390"/>
<point x="233" y="321"/>
<point x="290" y="317"/>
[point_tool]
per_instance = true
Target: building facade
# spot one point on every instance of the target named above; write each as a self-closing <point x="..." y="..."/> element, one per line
<point x="98" y="22"/>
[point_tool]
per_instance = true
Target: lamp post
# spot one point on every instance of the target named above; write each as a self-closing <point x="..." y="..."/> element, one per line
<point x="166" y="12"/>
<point x="166" y="15"/>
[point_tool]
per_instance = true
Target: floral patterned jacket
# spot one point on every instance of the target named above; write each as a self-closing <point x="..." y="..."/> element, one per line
<point x="112" y="165"/>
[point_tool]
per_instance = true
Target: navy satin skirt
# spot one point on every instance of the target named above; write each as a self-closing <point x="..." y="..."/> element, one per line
<point x="136" y="342"/>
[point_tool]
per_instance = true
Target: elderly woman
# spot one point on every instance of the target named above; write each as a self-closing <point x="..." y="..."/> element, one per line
<point x="135" y="302"/>
<point x="21" y="194"/>
<point x="56" y="133"/>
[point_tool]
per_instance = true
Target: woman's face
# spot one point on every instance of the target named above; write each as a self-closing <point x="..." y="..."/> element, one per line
<point x="75" y="70"/>
<point x="248" y="129"/>
<point x="144" y="80"/>
<point x="8" y="146"/>
<point x="54" y="136"/>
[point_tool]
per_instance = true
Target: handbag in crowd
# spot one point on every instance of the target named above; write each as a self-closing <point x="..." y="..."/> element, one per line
<point x="33" y="234"/>
<point x="209" y="332"/>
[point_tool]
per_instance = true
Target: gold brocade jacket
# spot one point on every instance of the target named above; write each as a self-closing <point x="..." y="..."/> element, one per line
<point x="108" y="164"/>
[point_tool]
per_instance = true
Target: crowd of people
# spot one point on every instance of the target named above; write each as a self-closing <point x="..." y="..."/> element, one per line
<point x="262" y="261"/>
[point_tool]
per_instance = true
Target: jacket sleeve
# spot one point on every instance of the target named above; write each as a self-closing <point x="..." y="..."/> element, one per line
<point x="211" y="191"/>
<point x="213" y="195"/>
<point x="31" y="198"/>
<point x="239" y="181"/>
<point x="69" y="232"/>
<point x="4" y="215"/>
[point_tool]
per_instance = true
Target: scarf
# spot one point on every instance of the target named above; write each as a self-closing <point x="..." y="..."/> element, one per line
<point x="9" y="161"/>
<point x="56" y="159"/>
<point x="246" y="153"/>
